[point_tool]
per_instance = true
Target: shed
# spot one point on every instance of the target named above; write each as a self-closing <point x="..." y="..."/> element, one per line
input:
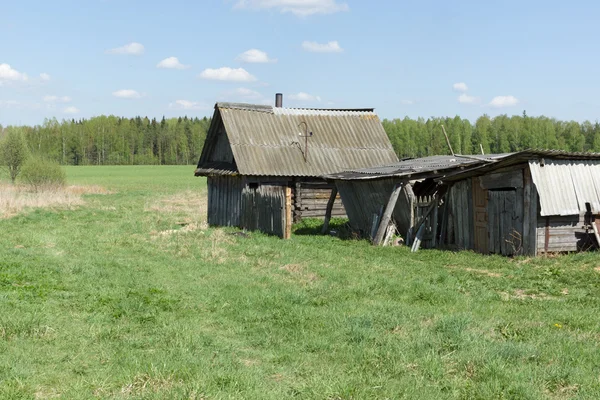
<point x="530" y="203"/>
<point x="265" y="164"/>
<point x="408" y="186"/>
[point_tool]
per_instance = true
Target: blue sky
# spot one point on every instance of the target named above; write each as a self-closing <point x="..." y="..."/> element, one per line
<point x="73" y="59"/>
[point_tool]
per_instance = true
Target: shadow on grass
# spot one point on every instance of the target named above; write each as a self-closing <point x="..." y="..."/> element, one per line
<point x="338" y="227"/>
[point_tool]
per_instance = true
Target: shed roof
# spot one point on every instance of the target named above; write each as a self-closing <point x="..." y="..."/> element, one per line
<point x="564" y="186"/>
<point x="565" y="181"/>
<point x="520" y="157"/>
<point x="413" y="168"/>
<point x="269" y="141"/>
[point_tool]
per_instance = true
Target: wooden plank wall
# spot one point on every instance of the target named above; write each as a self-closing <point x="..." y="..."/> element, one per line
<point x="460" y="215"/>
<point x="505" y="219"/>
<point x="364" y="198"/>
<point x="224" y="200"/>
<point x="310" y="200"/>
<point x="263" y="208"/>
<point x="530" y="212"/>
<point x="421" y="205"/>
<point x="563" y="233"/>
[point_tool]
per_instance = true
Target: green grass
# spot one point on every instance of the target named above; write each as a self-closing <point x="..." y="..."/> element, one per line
<point x="108" y="300"/>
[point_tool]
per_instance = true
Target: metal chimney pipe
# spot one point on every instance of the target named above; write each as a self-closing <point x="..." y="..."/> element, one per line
<point x="278" y="100"/>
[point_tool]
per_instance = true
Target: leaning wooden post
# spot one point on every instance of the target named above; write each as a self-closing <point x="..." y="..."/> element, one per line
<point x="387" y="215"/>
<point x="329" y="210"/>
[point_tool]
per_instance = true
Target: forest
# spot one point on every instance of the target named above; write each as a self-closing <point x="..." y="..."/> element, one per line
<point x="110" y="140"/>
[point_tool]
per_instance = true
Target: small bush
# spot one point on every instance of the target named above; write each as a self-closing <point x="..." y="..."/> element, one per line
<point x="41" y="174"/>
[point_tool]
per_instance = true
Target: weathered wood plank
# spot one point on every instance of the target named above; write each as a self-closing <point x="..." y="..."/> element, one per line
<point x="288" y="213"/>
<point x="528" y="218"/>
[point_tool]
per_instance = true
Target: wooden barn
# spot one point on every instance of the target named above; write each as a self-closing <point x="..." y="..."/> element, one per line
<point x="265" y="164"/>
<point x="401" y="195"/>
<point x="528" y="203"/>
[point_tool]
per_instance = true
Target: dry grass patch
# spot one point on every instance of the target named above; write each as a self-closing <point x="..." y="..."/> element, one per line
<point x="477" y="271"/>
<point x="47" y="393"/>
<point x="187" y="209"/>
<point x="521" y="294"/>
<point x="88" y="189"/>
<point x="15" y="199"/>
<point x="192" y="203"/>
<point x="185" y="229"/>
<point x="299" y="273"/>
<point x="143" y="384"/>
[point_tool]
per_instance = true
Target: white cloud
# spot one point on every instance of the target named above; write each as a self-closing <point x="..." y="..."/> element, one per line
<point x="171" y="63"/>
<point x="305" y="97"/>
<point x="9" y="74"/>
<point x="407" y="102"/>
<point x="466" y="99"/>
<point x="134" y="49"/>
<point x="460" y="87"/>
<point x="301" y="8"/>
<point x="9" y="103"/>
<point x="248" y="93"/>
<point x="57" y="99"/>
<point x="71" y="110"/>
<point x="329" y="47"/>
<point x="44" y="77"/>
<point x="227" y="74"/>
<point x="188" y="105"/>
<point x="127" y="94"/>
<point x="504" y="101"/>
<point x="255" y="56"/>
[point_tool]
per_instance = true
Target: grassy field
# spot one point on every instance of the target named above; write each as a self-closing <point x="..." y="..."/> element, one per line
<point x="131" y="295"/>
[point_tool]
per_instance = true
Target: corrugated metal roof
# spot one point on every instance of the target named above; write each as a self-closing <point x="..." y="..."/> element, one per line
<point x="269" y="141"/>
<point x="411" y="167"/>
<point x="215" y="168"/>
<point x="564" y="186"/>
<point x="520" y="158"/>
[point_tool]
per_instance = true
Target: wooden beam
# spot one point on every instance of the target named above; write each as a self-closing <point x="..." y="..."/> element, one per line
<point x="447" y="140"/>
<point x="387" y="214"/>
<point x="328" y="210"/>
<point x="288" y="213"/>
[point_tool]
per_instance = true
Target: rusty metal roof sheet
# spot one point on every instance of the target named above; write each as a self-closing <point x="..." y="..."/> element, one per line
<point x="412" y="168"/>
<point x="565" y="186"/>
<point x="270" y="141"/>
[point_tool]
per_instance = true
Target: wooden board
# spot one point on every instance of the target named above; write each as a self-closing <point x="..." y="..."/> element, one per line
<point x="480" y="218"/>
<point x="505" y="222"/>
<point x="287" y="234"/>
<point x="529" y="214"/>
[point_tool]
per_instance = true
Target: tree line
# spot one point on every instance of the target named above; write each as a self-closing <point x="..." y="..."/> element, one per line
<point x="110" y="140"/>
<point x="501" y="134"/>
